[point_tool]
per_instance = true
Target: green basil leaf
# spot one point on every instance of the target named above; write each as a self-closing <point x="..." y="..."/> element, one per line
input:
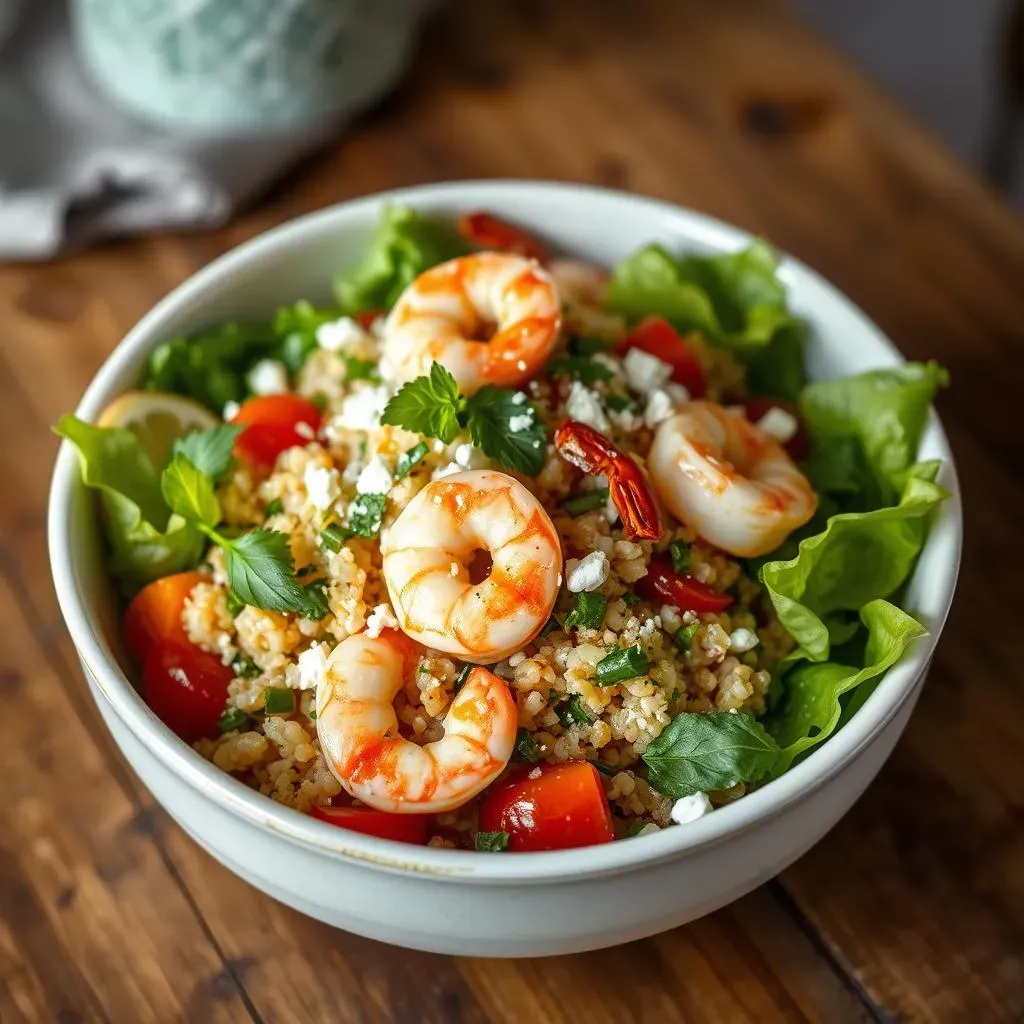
<point x="209" y="450"/>
<point x="261" y="573"/>
<point x="189" y="492"/>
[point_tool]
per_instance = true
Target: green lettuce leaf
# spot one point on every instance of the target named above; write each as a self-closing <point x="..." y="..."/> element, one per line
<point x="733" y="299"/>
<point x="811" y="708"/>
<point x="404" y="245"/>
<point x="866" y="429"/>
<point x="146" y="539"/>
<point x="857" y="558"/>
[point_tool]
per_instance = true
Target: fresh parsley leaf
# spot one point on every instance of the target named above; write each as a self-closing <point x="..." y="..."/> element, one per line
<point x="245" y="669"/>
<point x="317" y="593"/>
<point x="413" y="457"/>
<point x="261" y="573"/>
<point x="581" y="368"/>
<point x="428" y="405"/>
<point x="525" y="748"/>
<point x="490" y="414"/>
<point x="680" y="552"/>
<point x="274" y="507"/>
<point x="572" y="712"/>
<point x="366" y="513"/>
<point x="491" y="842"/>
<point x="589" y="611"/>
<point x="709" y="751"/>
<point x="209" y="450"/>
<point x="189" y="492"/>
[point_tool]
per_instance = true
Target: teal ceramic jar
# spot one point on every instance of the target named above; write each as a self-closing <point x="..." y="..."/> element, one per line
<point x="237" y="65"/>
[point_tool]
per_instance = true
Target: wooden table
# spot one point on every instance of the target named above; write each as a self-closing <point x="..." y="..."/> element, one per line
<point x="912" y="908"/>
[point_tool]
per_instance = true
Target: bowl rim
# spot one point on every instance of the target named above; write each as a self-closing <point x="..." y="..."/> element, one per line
<point x="828" y="759"/>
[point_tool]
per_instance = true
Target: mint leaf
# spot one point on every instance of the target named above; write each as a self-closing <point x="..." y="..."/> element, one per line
<point x="366" y="513"/>
<point x="505" y="425"/>
<point x="189" y="492"/>
<point x="261" y="573"/>
<point x="709" y="751"/>
<point x="428" y="405"/>
<point x="209" y="450"/>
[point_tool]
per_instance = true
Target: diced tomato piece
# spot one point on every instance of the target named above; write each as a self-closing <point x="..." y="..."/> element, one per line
<point x="663" y="584"/>
<point x="366" y="318"/>
<point x="490" y="232"/>
<point x="557" y="807"/>
<point x="154" y="615"/>
<point x="657" y="337"/>
<point x="798" y="446"/>
<point x="272" y="425"/>
<point x="186" y="687"/>
<point x="404" y="828"/>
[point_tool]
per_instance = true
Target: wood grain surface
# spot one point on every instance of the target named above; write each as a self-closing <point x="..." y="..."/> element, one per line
<point x="913" y="908"/>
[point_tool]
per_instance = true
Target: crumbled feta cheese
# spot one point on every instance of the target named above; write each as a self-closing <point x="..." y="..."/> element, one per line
<point x="743" y="640"/>
<point x="437" y="447"/>
<point x="464" y="455"/>
<point x="690" y="808"/>
<point x="517" y="424"/>
<point x="610" y="363"/>
<point x="381" y="618"/>
<point x="644" y="371"/>
<point x="659" y="407"/>
<point x="230" y="411"/>
<point x="362" y="409"/>
<point x="339" y="334"/>
<point x="679" y="393"/>
<point x="779" y="423"/>
<point x="583" y="405"/>
<point x="312" y="665"/>
<point x="446" y="470"/>
<point x="321" y="485"/>
<point x="625" y="419"/>
<point x="375" y="477"/>
<point x="305" y="430"/>
<point x="518" y="398"/>
<point x="587" y="573"/>
<point x="268" y="377"/>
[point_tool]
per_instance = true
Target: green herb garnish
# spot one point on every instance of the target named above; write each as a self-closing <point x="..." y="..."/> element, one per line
<point x="366" y="514"/>
<point x="586" y="502"/>
<point x="333" y="536"/>
<point x="233" y="718"/>
<point x="680" y="552"/>
<point x="525" y="748"/>
<point x="235" y="605"/>
<point x="360" y="369"/>
<point x="588" y="613"/>
<point x="412" y="457"/>
<point x="581" y="368"/>
<point x="572" y="712"/>
<point x="278" y="700"/>
<point x="245" y="669"/>
<point x="618" y="403"/>
<point x="491" y="842"/>
<point x="209" y="450"/>
<point x="589" y="346"/>
<point x="275" y="507"/>
<point x="621" y="664"/>
<point x="683" y="636"/>
<point x="460" y="679"/>
<point x="631" y="599"/>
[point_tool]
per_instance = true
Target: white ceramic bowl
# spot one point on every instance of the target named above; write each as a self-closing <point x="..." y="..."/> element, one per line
<point x="458" y="902"/>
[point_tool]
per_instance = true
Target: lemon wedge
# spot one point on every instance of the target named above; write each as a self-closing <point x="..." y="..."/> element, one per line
<point x="157" y="419"/>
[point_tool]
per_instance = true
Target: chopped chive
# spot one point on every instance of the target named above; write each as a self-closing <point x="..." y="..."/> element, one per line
<point x="278" y="700"/>
<point x="233" y="718"/>
<point x="589" y="611"/>
<point x="572" y="712"/>
<point x="631" y="599"/>
<point x="491" y="842"/>
<point x="683" y="636"/>
<point x="460" y="679"/>
<point x="333" y="537"/>
<point x="621" y="664"/>
<point x="275" y="507"/>
<point x="605" y="769"/>
<point x="618" y="403"/>
<point x="586" y="502"/>
<point x="589" y="346"/>
<point x="525" y="748"/>
<point x="412" y="457"/>
<point x="680" y="552"/>
<point x="245" y="669"/>
<point x="235" y="604"/>
<point x="311" y="714"/>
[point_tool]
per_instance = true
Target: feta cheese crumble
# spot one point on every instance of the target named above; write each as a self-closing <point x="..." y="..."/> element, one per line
<point x="779" y="423"/>
<point x="312" y="665"/>
<point x="644" y="371"/>
<point x="743" y="640"/>
<point x="375" y="477"/>
<point x="583" y="405"/>
<point x="690" y="808"/>
<point x="362" y="409"/>
<point x="517" y="424"/>
<point x="659" y="407"/>
<point x="587" y="573"/>
<point x="339" y="334"/>
<point x="268" y="377"/>
<point x="381" y="618"/>
<point x="321" y="485"/>
<point x="230" y="411"/>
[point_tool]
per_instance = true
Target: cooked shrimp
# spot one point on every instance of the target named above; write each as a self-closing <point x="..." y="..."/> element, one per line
<point x="728" y="480"/>
<point x="432" y="551"/>
<point x="448" y="313"/>
<point x="359" y="737"/>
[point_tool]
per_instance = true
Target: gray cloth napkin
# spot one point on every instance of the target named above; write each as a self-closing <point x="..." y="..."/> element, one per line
<point x="74" y="169"/>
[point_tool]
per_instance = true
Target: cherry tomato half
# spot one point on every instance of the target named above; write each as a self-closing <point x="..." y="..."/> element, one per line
<point x="271" y="425"/>
<point x="490" y="232"/>
<point x="798" y="447"/>
<point x="557" y="807"/>
<point x="663" y="584"/>
<point x="154" y="614"/>
<point x="186" y="687"/>
<point x="657" y="337"/>
<point x="404" y="828"/>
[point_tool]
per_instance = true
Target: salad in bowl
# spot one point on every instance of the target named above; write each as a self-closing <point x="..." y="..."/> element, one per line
<point x="505" y="551"/>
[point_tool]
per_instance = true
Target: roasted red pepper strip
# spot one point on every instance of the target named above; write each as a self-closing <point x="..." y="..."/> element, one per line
<point x="490" y="232"/>
<point x="663" y="584"/>
<point x="657" y="337"/>
<point x="588" y="449"/>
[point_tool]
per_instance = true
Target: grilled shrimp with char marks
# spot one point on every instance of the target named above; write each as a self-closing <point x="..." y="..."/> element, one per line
<point x="728" y="480"/>
<point x="434" y="549"/>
